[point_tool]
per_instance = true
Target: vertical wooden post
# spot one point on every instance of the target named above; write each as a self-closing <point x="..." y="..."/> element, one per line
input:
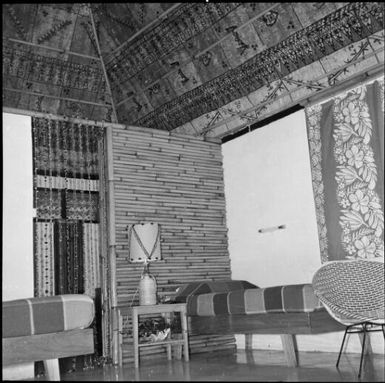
<point x="110" y="207"/>
<point x="112" y="247"/>
<point x="109" y="92"/>
<point x="120" y="335"/>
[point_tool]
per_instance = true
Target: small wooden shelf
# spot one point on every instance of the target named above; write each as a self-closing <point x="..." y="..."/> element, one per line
<point x="163" y="342"/>
<point x="136" y="311"/>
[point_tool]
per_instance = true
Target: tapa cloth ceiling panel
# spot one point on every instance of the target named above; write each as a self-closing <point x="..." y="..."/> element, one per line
<point x="41" y="79"/>
<point x="168" y="64"/>
<point x="336" y="31"/>
<point x="234" y="41"/>
<point x="119" y="21"/>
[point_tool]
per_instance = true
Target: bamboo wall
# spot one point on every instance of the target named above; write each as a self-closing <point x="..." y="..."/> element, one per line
<point x="176" y="181"/>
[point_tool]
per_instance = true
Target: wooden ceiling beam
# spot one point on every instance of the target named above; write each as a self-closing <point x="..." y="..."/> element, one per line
<point x="62" y="51"/>
<point x="38" y="94"/>
<point x="159" y="18"/>
<point x="109" y="92"/>
<point x="258" y="15"/>
<point x="319" y="96"/>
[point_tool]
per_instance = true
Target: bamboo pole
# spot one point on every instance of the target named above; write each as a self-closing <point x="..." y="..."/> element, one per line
<point x="147" y="26"/>
<point x="115" y="125"/>
<point x="112" y="248"/>
<point x="56" y="97"/>
<point x="104" y="264"/>
<point x="62" y="51"/>
<point x="102" y="62"/>
<point x="363" y="75"/>
<point x="353" y="82"/>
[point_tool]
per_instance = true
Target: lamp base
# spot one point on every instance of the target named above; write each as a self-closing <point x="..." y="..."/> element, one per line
<point x="147" y="290"/>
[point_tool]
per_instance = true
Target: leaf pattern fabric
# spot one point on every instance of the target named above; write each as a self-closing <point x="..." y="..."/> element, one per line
<point x="346" y="149"/>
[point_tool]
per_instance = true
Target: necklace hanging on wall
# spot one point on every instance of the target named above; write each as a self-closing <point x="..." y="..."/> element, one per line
<point x="43" y="245"/>
<point x="64" y="128"/>
<point x="87" y="254"/>
<point x="78" y="206"/>
<point x="49" y="147"/>
<point x="48" y="237"/>
<point x="43" y="155"/>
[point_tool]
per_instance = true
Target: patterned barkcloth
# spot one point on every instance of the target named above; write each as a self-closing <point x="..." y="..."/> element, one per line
<point x="31" y="316"/>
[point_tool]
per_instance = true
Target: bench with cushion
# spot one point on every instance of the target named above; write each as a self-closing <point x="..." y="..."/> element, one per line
<point x="47" y="328"/>
<point x="239" y="307"/>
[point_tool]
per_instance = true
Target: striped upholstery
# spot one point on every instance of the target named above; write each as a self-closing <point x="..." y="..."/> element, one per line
<point x="31" y="316"/>
<point x="202" y="287"/>
<point x="280" y="299"/>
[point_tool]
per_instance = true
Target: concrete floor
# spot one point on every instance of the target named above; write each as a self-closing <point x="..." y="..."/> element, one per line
<point x="243" y="365"/>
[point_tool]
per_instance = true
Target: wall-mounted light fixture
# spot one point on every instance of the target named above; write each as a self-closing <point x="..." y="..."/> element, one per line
<point x="270" y="229"/>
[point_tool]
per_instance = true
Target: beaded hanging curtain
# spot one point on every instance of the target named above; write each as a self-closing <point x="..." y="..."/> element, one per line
<point x="66" y="198"/>
<point x="346" y="143"/>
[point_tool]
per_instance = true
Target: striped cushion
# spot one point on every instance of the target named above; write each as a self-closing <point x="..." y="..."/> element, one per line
<point x="287" y="298"/>
<point x="45" y="315"/>
<point x="202" y="287"/>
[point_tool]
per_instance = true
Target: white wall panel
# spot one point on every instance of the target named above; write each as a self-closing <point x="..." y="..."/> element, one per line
<point x="268" y="183"/>
<point x="17" y="219"/>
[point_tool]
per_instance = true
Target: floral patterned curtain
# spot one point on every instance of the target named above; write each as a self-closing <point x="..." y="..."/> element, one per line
<point x="346" y="143"/>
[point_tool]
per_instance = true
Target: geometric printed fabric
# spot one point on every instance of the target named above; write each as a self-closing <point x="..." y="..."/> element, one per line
<point x="31" y="316"/>
<point x="274" y="299"/>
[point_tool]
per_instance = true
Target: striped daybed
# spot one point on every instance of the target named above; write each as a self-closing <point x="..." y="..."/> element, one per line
<point x="46" y="329"/>
<point x="239" y="307"/>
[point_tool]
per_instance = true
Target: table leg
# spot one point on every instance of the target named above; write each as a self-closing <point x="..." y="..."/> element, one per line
<point x="135" y="327"/>
<point x="289" y="349"/>
<point x="169" y="352"/>
<point x="185" y="334"/>
<point x="248" y="341"/>
<point x="52" y="369"/>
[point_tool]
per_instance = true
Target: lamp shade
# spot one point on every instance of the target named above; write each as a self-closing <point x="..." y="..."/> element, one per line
<point x="144" y="242"/>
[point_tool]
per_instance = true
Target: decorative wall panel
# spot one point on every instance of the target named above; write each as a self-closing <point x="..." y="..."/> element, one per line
<point x="66" y="227"/>
<point x="346" y="144"/>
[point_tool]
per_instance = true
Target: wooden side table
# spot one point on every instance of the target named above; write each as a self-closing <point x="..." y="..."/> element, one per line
<point x="136" y="311"/>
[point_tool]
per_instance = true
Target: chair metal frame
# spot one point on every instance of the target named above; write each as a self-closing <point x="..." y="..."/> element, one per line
<point x="354" y="329"/>
<point x="341" y="285"/>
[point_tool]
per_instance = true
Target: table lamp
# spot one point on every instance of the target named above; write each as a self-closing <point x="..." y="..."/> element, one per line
<point x="144" y="247"/>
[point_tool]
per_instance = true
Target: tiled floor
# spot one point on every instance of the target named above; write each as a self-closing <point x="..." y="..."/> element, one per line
<point x="243" y="366"/>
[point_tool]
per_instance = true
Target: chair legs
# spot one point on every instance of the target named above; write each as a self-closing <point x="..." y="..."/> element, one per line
<point x="362" y="349"/>
<point x="342" y="345"/>
<point x="364" y="329"/>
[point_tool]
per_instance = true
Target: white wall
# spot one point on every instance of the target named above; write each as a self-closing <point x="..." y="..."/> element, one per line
<point x="17" y="260"/>
<point x="268" y="183"/>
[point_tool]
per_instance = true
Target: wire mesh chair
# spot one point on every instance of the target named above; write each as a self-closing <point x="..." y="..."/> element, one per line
<point x="353" y="294"/>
